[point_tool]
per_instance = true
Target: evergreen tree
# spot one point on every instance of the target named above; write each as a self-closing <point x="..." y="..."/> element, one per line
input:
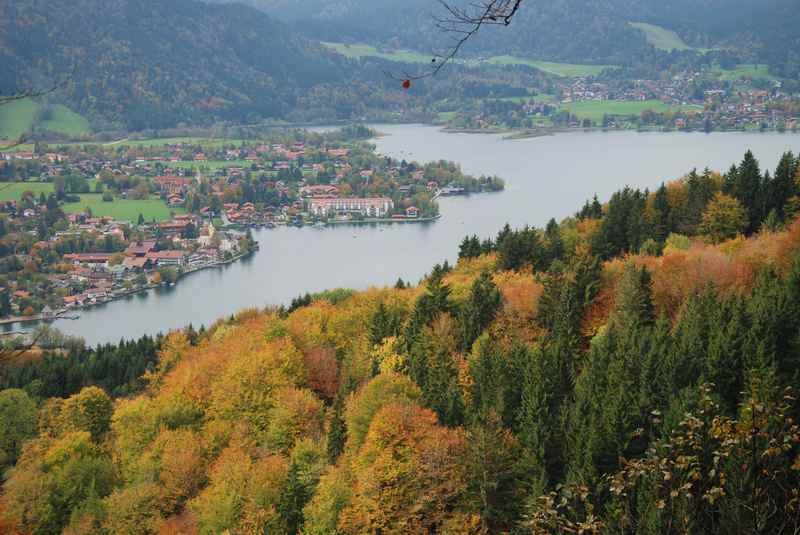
<point x="479" y="310"/>
<point x="783" y="186"/>
<point x="554" y="243"/>
<point x="748" y="189"/>
<point x="623" y="228"/>
<point x="337" y="433"/>
<point x="294" y="497"/>
<point x="662" y="217"/>
<point x="518" y="249"/>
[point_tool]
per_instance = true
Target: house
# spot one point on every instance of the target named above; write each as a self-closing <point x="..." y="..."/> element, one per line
<point x="141" y="248"/>
<point x="136" y="263"/>
<point x="412" y="211"/>
<point x="172" y="185"/>
<point x="95" y="259"/>
<point x="367" y="207"/>
<point x="168" y="258"/>
<point x="319" y="190"/>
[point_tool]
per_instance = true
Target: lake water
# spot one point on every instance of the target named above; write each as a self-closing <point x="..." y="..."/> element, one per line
<point x="545" y="177"/>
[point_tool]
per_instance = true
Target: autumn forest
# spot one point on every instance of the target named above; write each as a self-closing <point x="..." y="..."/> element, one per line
<point x="632" y="369"/>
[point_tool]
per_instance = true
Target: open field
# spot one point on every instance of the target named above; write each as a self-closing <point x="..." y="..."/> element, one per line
<point x="661" y="38"/>
<point x="160" y="142"/>
<point x="359" y="51"/>
<point x="211" y="164"/>
<point x="17" y="118"/>
<point x="595" y="110"/>
<point x="753" y="71"/>
<point x="12" y="191"/>
<point x="409" y="56"/>
<point x="568" y="70"/>
<point x="65" y="121"/>
<point x="541" y="98"/>
<point x="122" y="209"/>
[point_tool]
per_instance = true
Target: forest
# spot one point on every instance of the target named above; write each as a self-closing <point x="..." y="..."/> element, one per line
<point x="762" y="31"/>
<point x="136" y="64"/>
<point x="631" y="369"/>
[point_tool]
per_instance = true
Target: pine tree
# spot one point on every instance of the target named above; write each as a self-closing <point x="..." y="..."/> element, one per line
<point x="748" y="189"/>
<point x="337" y="433"/>
<point x="783" y="186"/>
<point x="661" y="215"/>
<point x="479" y="310"/>
<point x="555" y="245"/>
<point x="293" y="499"/>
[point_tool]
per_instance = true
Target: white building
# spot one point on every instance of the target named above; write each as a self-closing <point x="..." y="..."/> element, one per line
<point x="369" y="207"/>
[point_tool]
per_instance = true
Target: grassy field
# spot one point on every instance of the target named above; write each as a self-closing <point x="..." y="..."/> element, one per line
<point x="541" y="98"/>
<point x="746" y="70"/>
<point x="360" y="51"/>
<point x="595" y="110"/>
<point x="569" y="70"/>
<point x="661" y="38"/>
<point x="212" y="164"/>
<point x="66" y="121"/>
<point x="160" y="142"/>
<point x="12" y="191"/>
<point x="123" y="210"/>
<point x="409" y="56"/>
<point x="17" y="118"/>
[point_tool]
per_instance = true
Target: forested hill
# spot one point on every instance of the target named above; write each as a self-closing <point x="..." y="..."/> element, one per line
<point x="631" y="370"/>
<point x="146" y="63"/>
<point x="567" y="30"/>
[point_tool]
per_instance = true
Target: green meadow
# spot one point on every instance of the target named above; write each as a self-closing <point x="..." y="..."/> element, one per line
<point x="661" y="38"/>
<point x="12" y="191"/>
<point x="568" y="70"/>
<point x="122" y="209"/>
<point x="409" y="56"/>
<point x="20" y="117"/>
<point x="595" y="110"/>
<point x="753" y="71"/>
<point x="65" y="121"/>
<point x="212" y="165"/>
<point x="16" y="118"/>
<point x="360" y="51"/>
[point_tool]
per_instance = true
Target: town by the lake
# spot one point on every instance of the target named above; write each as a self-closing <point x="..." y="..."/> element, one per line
<point x="83" y="224"/>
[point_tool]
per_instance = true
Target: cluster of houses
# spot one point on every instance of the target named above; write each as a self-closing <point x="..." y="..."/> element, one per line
<point x="102" y="276"/>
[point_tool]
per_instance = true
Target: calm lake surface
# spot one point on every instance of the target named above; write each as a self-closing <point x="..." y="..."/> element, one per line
<point x="545" y="177"/>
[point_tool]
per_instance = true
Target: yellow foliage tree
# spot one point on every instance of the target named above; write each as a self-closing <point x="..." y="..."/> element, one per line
<point x="724" y="218"/>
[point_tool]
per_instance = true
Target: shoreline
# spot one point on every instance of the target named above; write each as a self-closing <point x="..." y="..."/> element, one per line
<point x="511" y="134"/>
<point x="66" y="313"/>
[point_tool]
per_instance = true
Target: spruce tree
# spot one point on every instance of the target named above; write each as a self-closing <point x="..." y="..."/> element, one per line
<point x="479" y="310"/>
<point x="661" y="215"/>
<point x="783" y="186"/>
<point x="337" y="433"/>
<point x="293" y="499"/>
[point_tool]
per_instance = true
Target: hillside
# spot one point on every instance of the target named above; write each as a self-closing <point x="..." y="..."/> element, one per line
<point x="625" y="367"/>
<point x="139" y="64"/>
<point x="757" y="31"/>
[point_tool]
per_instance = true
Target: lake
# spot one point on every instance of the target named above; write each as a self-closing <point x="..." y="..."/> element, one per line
<point x="545" y="177"/>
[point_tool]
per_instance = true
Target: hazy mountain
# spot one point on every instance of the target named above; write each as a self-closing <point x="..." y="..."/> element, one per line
<point x="145" y="63"/>
<point x="570" y="30"/>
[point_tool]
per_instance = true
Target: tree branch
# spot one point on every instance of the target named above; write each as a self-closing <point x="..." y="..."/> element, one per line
<point x="464" y="23"/>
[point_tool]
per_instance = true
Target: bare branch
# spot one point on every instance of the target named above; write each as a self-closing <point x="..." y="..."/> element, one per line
<point x="9" y="356"/>
<point x="464" y="23"/>
<point x="8" y="99"/>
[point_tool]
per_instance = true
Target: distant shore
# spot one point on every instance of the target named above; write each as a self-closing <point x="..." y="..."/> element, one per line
<point x="66" y="313"/>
